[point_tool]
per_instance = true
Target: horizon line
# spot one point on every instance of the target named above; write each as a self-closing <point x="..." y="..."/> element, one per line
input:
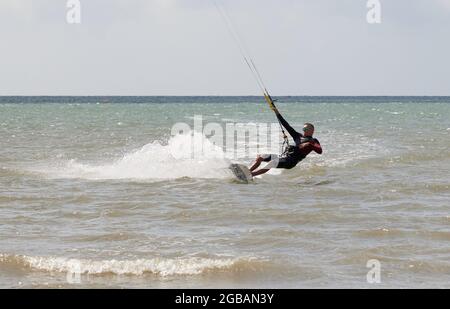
<point x="231" y="96"/>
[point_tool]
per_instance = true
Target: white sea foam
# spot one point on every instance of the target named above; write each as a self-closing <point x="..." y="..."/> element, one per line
<point x="186" y="155"/>
<point x="157" y="266"/>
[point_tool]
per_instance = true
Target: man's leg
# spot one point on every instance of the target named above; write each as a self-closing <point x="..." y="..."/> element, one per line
<point x="260" y="172"/>
<point x="273" y="163"/>
<point x="257" y="163"/>
<point x="259" y="159"/>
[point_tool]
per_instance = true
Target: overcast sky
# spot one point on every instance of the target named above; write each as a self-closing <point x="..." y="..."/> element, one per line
<point x="182" y="47"/>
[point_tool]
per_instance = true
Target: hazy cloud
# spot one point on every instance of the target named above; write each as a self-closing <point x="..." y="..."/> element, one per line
<point x="181" y="47"/>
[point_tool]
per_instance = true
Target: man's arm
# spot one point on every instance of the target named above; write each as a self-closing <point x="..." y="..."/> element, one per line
<point x="295" y="135"/>
<point x="316" y="146"/>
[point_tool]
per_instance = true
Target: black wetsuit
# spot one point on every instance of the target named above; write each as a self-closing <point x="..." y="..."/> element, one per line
<point x="293" y="154"/>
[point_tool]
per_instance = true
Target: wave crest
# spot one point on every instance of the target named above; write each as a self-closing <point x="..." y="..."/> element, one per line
<point x="157" y="266"/>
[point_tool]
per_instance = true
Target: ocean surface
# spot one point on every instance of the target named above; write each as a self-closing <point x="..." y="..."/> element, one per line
<point x="100" y="192"/>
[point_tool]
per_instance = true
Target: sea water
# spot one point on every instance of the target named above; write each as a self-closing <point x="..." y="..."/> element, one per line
<point x="92" y="194"/>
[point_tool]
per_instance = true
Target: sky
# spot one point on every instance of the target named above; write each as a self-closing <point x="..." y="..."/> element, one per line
<point x="182" y="47"/>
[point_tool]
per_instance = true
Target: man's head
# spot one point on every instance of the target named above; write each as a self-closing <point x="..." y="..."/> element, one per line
<point x="308" y="129"/>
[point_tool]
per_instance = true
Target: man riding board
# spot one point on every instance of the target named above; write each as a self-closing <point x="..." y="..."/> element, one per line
<point x="304" y="145"/>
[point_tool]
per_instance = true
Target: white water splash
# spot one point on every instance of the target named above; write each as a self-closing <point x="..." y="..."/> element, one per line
<point x="158" y="266"/>
<point x="188" y="155"/>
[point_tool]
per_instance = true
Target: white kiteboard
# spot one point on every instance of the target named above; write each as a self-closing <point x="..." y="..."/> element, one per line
<point x="241" y="172"/>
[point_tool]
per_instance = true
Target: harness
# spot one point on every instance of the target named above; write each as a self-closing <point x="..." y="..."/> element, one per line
<point x="293" y="151"/>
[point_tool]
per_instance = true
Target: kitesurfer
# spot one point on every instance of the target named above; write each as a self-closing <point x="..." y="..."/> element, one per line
<point x="304" y="144"/>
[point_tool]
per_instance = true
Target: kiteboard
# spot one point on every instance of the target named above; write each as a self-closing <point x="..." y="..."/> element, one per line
<point x="241" y="172"/>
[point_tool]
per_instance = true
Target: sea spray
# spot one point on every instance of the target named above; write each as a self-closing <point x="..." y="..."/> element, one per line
<point x="186" y="155"/>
